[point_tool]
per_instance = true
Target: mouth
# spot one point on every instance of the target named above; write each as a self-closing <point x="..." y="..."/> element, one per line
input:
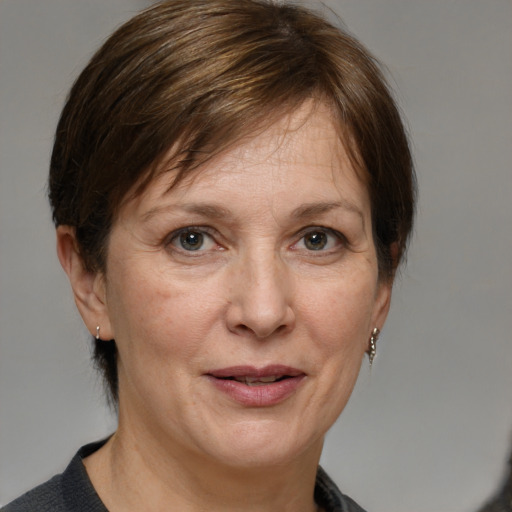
<point x="261" y="381"/>
<point x="251" y="376"/>
<point x="257" y="387"/>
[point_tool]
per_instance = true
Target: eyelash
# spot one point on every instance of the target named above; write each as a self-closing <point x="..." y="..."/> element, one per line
<point x="200" y="230"/>
<point x="209" y="233"/>
<point x="339" y="238"/>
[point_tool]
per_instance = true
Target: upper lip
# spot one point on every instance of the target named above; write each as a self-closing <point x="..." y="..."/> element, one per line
<point x="273" y="370"/>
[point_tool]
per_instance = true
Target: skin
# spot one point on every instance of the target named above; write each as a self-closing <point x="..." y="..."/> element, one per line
<point x="255" y="293"/>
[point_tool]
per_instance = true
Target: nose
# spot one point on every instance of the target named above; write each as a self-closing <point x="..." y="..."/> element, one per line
<point x="260" y="302"/>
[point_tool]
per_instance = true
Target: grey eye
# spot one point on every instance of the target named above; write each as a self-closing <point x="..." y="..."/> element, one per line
<point x="316" y="240"/>
<point x="191" y="240"/>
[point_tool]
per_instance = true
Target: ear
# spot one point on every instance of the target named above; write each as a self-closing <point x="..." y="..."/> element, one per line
<point x="382" y="303"/>
<point x="383" y="295"/>
<point x="88" y="286"/>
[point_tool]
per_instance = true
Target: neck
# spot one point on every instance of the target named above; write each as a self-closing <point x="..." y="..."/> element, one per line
<point x="132" y="475"/>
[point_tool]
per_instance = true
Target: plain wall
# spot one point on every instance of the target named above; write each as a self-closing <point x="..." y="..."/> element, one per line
<point x="429" y="429"/>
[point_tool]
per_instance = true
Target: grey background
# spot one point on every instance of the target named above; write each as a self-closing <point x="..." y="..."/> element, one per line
<point x="430" y="428"/>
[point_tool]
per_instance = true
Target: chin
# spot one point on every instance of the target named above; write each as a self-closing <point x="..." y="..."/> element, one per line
<point x="262" y="444"/>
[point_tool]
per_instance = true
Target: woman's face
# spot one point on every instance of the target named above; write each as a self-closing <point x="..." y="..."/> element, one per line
<point x="242" y="300"/>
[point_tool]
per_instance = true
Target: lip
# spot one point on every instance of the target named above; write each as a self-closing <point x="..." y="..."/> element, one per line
<point x="264" y="395"/>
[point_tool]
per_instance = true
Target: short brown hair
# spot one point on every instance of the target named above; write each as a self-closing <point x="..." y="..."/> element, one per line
<point x="197" y="75"/>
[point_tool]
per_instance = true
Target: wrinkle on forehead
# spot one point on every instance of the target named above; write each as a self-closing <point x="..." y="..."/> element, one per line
<point x="297" y="145"/>
<point x="274" y="134"/>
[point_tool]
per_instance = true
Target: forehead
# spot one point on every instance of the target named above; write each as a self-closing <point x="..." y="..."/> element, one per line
<point x="300" y="157"/>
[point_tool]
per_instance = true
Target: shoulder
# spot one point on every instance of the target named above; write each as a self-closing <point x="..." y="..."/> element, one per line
<point x="330" y="498"/>
<point x="45" y="497"/>
<point x="72" y="491"/>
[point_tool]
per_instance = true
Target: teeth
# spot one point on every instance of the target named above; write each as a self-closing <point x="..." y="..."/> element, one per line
<point x="268" y="379"/>
<point x="257" y="381"/>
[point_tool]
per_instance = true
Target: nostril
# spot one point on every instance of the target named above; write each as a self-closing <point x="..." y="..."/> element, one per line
<point x="244" y="330"/>
<point x="259" y="319"/>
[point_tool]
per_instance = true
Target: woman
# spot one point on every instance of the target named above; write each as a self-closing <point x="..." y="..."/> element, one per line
<point x="233" y="192"/>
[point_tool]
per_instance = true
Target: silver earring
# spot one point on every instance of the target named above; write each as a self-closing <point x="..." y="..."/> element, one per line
<point x="373" y="344"/>
<point x="97" y="332"/>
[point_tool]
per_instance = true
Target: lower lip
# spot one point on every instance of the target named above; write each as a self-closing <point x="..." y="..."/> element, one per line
<point x="264" y="395"/>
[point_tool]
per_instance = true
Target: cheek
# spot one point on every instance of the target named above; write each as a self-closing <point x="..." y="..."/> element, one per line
<point x="338" y="315"/>
<point x="337" y="318"/>
<point x="156" y="316"/>
<point x="157" y="329"/>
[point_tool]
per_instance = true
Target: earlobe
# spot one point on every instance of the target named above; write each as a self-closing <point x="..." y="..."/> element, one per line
<point x="380" y="313"/>
<point x="88" y="286"/>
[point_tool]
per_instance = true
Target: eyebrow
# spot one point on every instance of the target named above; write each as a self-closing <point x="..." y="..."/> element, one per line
<point x="314" y="209"/>
<point x="205" y="210"/>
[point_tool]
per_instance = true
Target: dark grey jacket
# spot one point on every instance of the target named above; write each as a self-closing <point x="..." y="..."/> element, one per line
<point x="72" y="491"/>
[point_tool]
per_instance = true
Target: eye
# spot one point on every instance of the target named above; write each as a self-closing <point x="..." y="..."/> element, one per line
<point x="192" y="239"/>
<point x="316" y="241"/>
<point x="320" y="240"/>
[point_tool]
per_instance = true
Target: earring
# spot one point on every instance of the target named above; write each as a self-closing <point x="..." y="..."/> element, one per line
<point x="97" y="332"/>
<point x="373" y="348"/>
